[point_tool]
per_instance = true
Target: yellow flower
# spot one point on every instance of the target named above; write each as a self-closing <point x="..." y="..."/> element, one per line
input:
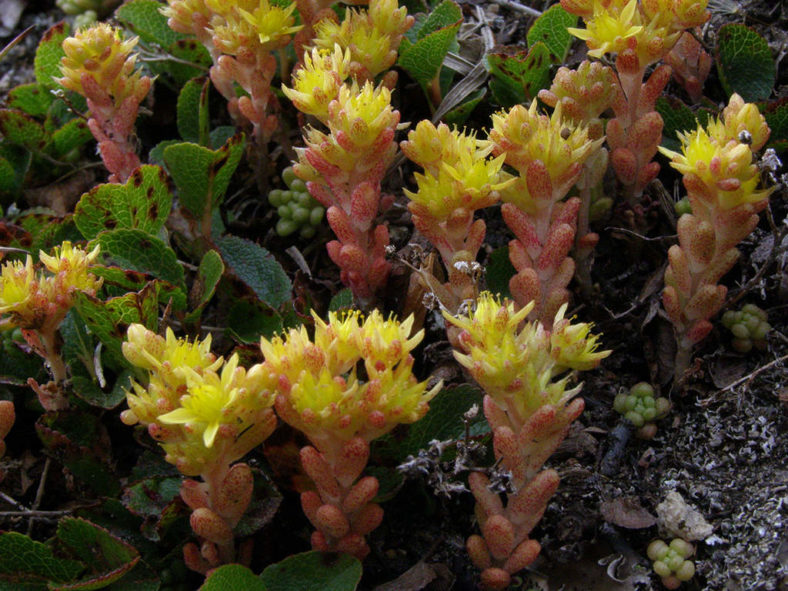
<point x="527" y="137"/>
<point x="430" y="146"/>
<point x="520" y="366"/>
<point x="385" y="342"/>
<point x="71" y="266"/>
<point x="319" y="389"/>
<point x="273" y="24"/>
<point x="101" y="52"/>
<point x="573" y="345"/>
<point x="209" y="403"/>
<point x="469" y="184"/>
<point x="716" y="156"/>
<point x="372" y="36"/>
<point x="18" y="285"/>
<point x="362" y="114"/>
<point x="316" y="83"/>
<point x="610" y="26"/>
<point x="181" y="14"/>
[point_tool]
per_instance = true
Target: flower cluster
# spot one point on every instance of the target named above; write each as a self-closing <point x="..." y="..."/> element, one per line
<point x="343" y="169"/>
<point x="241" y="36"/>
<point x="38" y="300"/>
<point x="649" y="28"/>
<point x="641" y="33"/>
<point x="548" y="152"/>
<point x="206" y="413"/>
<point x="99" y="65"/>
<point x="458" y="179"/>
<point x="321" y="393"/>
<point x="722" y="185"/>
<point x="371" y="36"/>
<point x="525" y="371"/>
<point x="201" y="409"/>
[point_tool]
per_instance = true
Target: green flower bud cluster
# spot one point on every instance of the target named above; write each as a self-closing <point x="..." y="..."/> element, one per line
<point x="682" y="206"/>
<point x="296" y="208"/>
<point x="641" y="408"/>
<point x="670" y="562"/>
<point x="749" y="327"/>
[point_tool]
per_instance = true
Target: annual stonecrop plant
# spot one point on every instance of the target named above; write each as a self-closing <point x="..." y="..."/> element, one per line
<point x="349" y="384"/>
<point x="241" y="36"/>
<point x="525" y="371"/>
<point x="459" y="178"/>
<point x="585" y="93"/>
<point x="100" y="66"/>
<point x="37" y="300"/>
<point x="722" y="182"/>
<point x="298" y="211"/>
<point x="640" y="33"/>
<point x="344" y="167"/>
<point x="371" y="36"/>
<point x="548" y="152"/>
<point x="206" y="413"/>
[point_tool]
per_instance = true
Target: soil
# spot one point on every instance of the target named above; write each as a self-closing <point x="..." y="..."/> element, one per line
<point x="722" y="448"/>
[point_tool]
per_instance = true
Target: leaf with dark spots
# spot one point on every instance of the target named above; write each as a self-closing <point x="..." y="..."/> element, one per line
<point x="144" y="203"/>
<point x="518" y="76"/>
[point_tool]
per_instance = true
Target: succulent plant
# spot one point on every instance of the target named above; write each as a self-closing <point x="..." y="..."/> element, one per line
<point x="642" y="409"/>
<point x="670" y="561"/>
<point x="749" y="327"/>
<point x="298" y="211"/>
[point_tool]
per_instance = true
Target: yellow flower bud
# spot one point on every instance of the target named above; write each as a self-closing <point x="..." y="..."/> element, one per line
<point x="316" y="83"/>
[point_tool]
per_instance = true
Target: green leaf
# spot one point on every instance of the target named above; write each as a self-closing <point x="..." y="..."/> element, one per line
<point x="342" y="300"/>
<point x="143" y="203"/>
<point x="47" y="61"/>
<point x="313" y="570"/>
<point x="145" y="19"/>
<point x="30" y="98"/>
<point x="520" y="76"/>
<point x="118" y="281"/>
<point x="257" y="268"/>
<point x="193" y="123"/>
<point x="776" y="115"/>
<point x="73" y="134"/>
<point x="20" y="128"/>
<point x="551" y="29"/>
<point x="248" y="321"/>
<point x="459" y="114"/>
<point x="154" y="499"/>
<point x="233" y="576"/>
<point x="23" y="561"/>
<point x="745" y="63"/>
<point x="423" y="58"/>
<point x="202" y="175"/>
<point x="108" y="558"/>
<point x="81" y="443"/>
<point x="443" y="421"/>
<point x="208" y="275"/>
<point x="14" y="164"/>
<point x="499" y="271"/>
<point x="139" y="251"/>
<point x="445" y="14"/>
<point x="109" y="320"/>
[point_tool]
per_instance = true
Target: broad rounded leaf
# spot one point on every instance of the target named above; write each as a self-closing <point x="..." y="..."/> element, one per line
<point x="233" y="576"/>
<point x="144" y="203"/>
<point x="551" y="29"/>
<point x="257" y="268"/>
<point x="745" y="63"/>
<point x="313" y="570"/>
<point x="50" y="50"/>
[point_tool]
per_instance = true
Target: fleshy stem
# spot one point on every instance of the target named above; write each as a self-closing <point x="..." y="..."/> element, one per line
<point x="721" y="181"/>
<point x="548" y="152"/>
<point x="585" y="93"/>
<point x="99" y="65"/>
<point x="641" y="33"/>
<point x="523" y="371"/>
